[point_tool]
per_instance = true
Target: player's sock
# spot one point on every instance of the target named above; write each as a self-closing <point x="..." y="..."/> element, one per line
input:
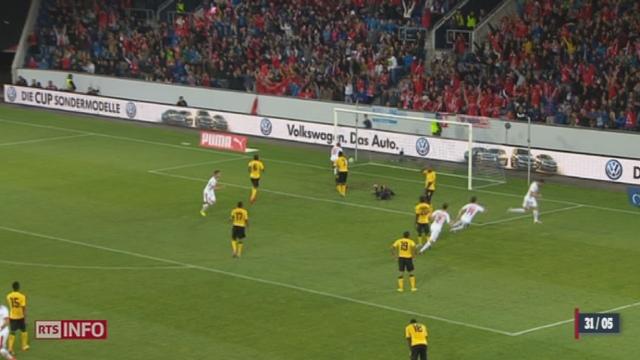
<point x="5" y="354"/>
<point x="203" y="211"/>
<point x="517" y="210"/>
<point x="239" y="248"/>
<point x="24" y="340"/>
<point x="425" y="247"/>
<point x="12" y="340"/>
<point x="234" y="247"/>
<point x="254" y="192"/>
<point x="400" y="283"/>
<point x="412" y="281"/>
<point x="338" y="189"/>
<point x="536" y="215"/>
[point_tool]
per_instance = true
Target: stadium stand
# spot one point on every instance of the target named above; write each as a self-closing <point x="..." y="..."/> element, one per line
<point x="334" y="50"/>
<point x="572" y="62"/>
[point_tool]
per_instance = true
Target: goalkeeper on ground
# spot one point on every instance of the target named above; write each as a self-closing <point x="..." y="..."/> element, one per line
<point x="383" y="192"/>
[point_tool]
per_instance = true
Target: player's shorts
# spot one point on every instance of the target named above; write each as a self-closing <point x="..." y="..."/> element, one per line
<point x="255" y="182"/>
<point x="4" y="335"/>
<point x="209" y="197"/>
<point x="435" y="232"/>
<point x="466" y="220"/>
<point x="419" y="352"/>
<point x="237" y="232"/>
<point x="530" y="202"/>
<point x="342" y="177"/>
<point x="422" y="228"/>
<point x="333" y="158"/>
<point x="405" y="264"/>
<point x="17" y="324"/>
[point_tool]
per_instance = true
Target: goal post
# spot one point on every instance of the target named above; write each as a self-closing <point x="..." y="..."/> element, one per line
<point x="406" y="142"/>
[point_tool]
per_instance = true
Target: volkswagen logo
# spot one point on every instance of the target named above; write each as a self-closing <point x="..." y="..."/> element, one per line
<point x="635" y="199"/>
<point x="266" y="127"/>
<point x="613" y="169"/>
<point x="422" y="146"/>
<point x="131" y="110"/>
<point x="11" y="94"/>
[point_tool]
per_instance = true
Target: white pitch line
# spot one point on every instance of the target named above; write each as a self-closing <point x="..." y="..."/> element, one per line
<point x="124" y="138"/>
<point x="40" y="140"/>
<point x="212" y="162"/>
<point x="90" y="267"/>
<point x="258" y="280"/>
<point x="632" y="212"/>
<point x="558" y="323"/>
<point x="282" y="193"/>
<point x="527" y="215"/>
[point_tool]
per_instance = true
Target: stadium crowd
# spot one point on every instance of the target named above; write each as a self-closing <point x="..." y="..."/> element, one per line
<point x="573" y="62"/>
<point x="565" y="62"/>
<point x="337" y="50"/>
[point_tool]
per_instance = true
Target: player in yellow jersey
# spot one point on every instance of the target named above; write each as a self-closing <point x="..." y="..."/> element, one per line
<point x="240" y="220"/>
<point x="423" y="212"/>
<point x="342" y="165"/>
<point x="429" y="182"/>
<point x="405" y="250"/>
<point x="17" y="302"/>
<point x="417" y="336"/>
<point x="256" y="168"/>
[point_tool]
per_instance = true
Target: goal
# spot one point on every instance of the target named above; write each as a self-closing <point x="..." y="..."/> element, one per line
<point x="407" y="143"/>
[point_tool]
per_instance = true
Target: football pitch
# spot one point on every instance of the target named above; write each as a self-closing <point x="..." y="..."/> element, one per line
<point x="99" y="220"/>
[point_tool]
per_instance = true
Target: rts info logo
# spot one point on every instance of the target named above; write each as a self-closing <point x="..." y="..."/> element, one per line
<point x="71" y="329"/>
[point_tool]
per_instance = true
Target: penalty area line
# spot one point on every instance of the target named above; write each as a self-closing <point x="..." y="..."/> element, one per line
<point x="211" y="162"/>
<point x="282" y="193"/>
<point x="41" y="140"/>
<point x="528" y="215"/>
<point x="258" y="280"/>
<point x="90" y="267"/>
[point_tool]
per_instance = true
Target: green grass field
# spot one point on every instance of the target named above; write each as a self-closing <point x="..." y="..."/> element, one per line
<point x="99" y="220"/>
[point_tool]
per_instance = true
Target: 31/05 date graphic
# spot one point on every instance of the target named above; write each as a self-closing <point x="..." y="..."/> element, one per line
<point x="596" y="323"/>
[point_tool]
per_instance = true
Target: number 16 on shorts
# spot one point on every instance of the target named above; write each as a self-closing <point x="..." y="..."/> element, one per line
<point x="595" y="323"/>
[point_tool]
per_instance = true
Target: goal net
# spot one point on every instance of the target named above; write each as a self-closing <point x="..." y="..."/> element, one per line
<point x="400" y="143"/>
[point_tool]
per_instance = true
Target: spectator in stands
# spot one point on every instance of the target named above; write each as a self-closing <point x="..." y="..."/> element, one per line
<point x="472" y="21"/>
<point x="21" y="81"/>
<point x="93" y="91"/>
<point x="70" y="85"/>
<point x="50" y="86"/>
<point x="182" y="102"/>
<point x="180" y="7"/>
<point x="367" y="123"/>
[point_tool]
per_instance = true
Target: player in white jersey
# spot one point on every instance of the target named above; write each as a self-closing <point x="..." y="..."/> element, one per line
<point x="336" y="149"/>
<point x="4" y="333"/>
<point x="438" y="219"/>
<point x="466" y="215"/>
<point x="209" y="193"/>
<point x="530" y="201"/>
